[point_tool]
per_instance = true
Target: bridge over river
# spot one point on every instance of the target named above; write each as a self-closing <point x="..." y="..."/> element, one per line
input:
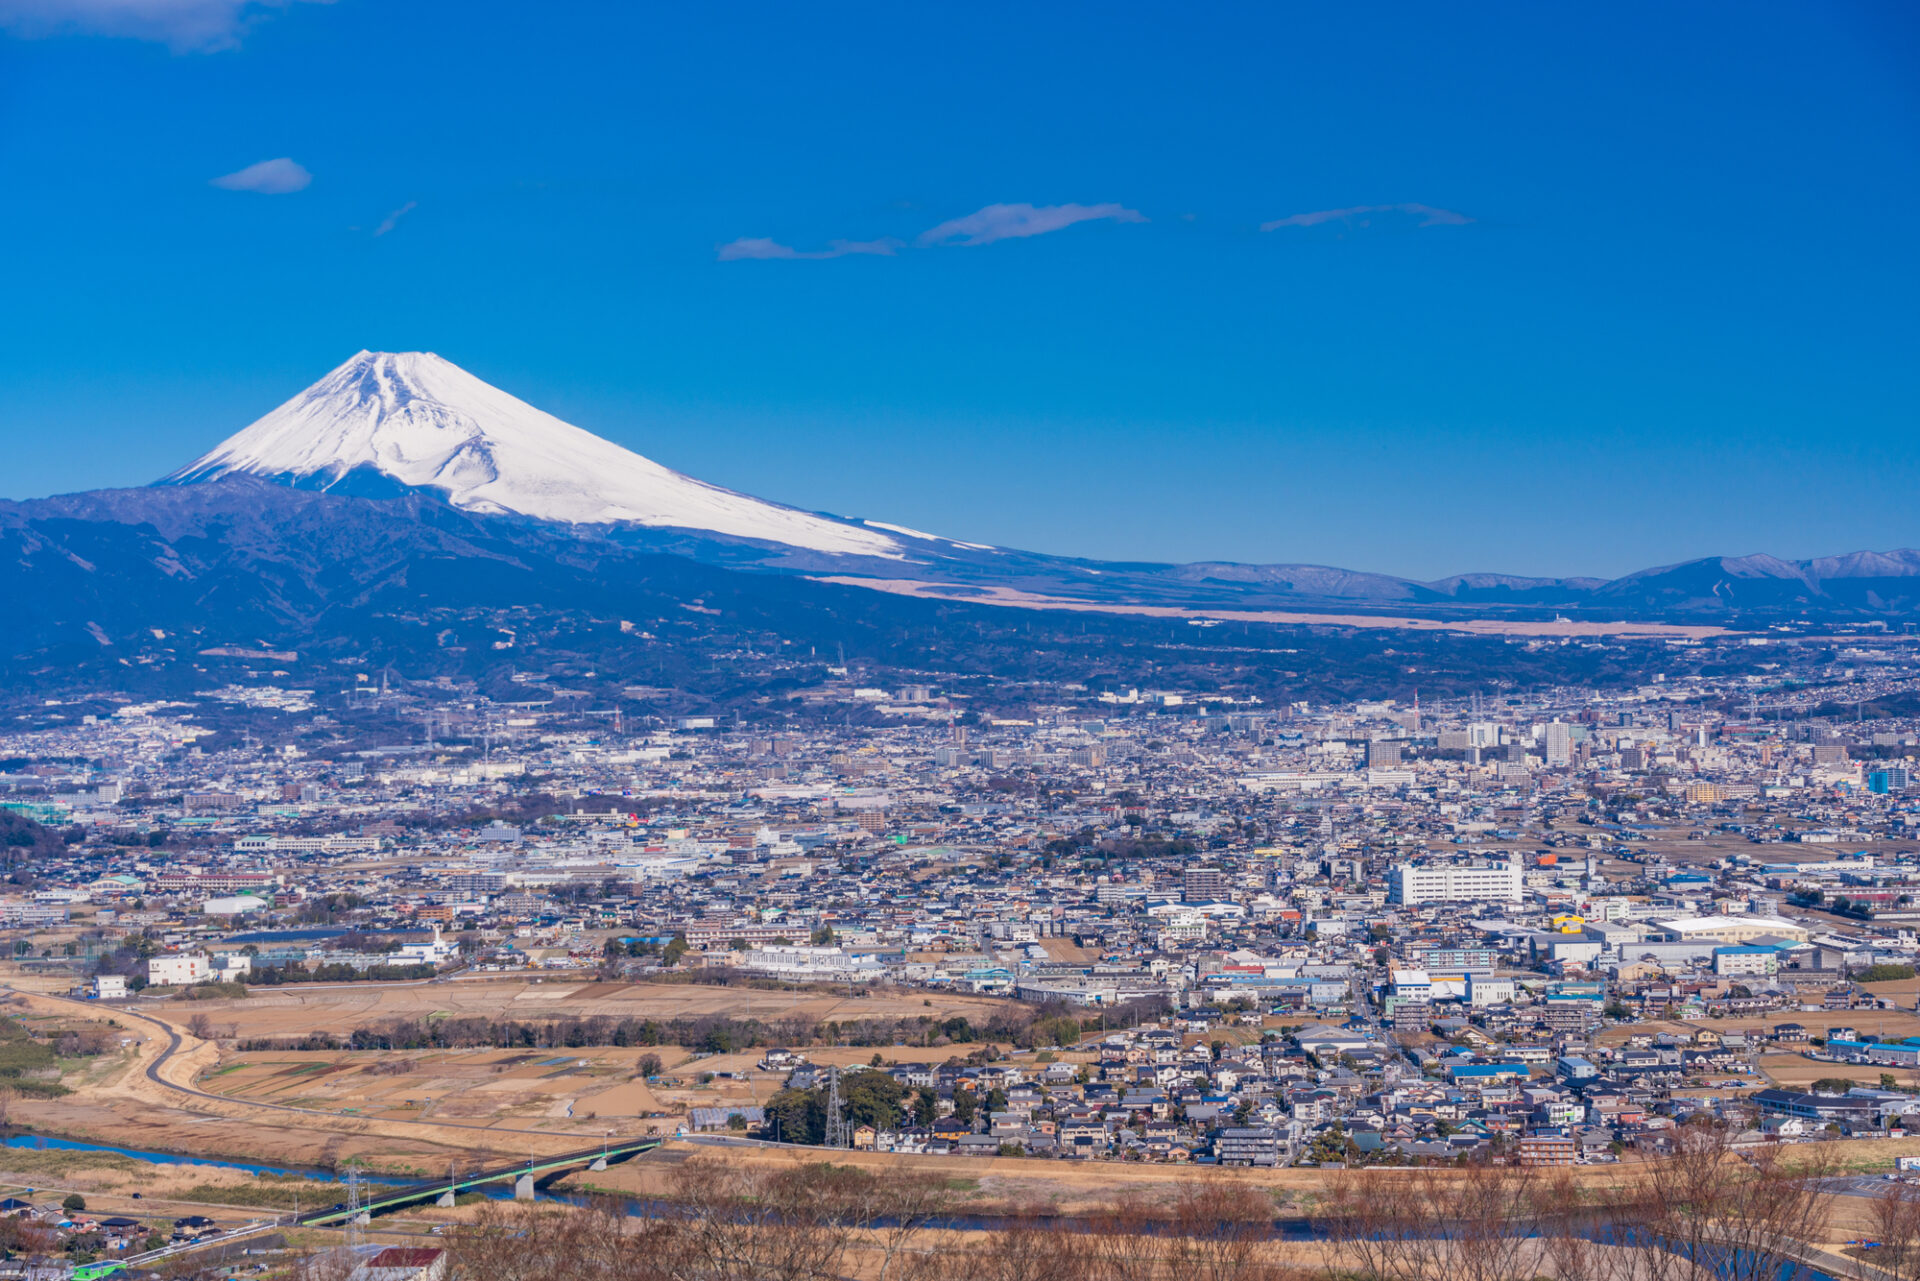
<point x="525" y="1176"/>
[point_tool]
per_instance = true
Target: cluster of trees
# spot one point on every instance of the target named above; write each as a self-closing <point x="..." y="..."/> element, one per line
<point x="1840" y="904"/>
<point x="273" y="976"/>
<point x="327" y="909"/>
<point x="1704" y="1211"/>
<point x="670" y="952"/>
<point x="1091" y="845"/>
<point x="22" y="840"/>
<point x="129" y="959"/>
<point x="1884" y="973"/>
<point x="1015" y="1024"/>
<point x="805" y="1223"/>
<point x="867" y="1097"/>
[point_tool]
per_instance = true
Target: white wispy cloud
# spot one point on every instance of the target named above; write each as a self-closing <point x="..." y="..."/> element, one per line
<point x="268" y="178"/>
<point x="760" y="247"/>
<point x="392" y="220"/>
<point x="1008" y="222"/>
<point x="1427" y="215"/>
<point x="186" y="26"/>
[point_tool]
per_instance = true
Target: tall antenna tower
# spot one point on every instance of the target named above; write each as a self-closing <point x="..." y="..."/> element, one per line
<point x="837" y="1134"/>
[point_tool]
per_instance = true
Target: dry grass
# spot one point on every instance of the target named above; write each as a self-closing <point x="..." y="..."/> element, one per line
<point x="1474" y="626"/>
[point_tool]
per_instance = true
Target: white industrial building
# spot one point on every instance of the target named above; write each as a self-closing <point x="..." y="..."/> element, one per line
<point x="235" y="905"/>
<point x="798" y="963"/>
<point x="1484" y="990"/>
<point x="179" y="971"/>
<point x="1456" y="883"/>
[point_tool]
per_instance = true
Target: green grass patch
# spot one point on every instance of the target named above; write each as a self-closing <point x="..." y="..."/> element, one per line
<point x="278" y="1192"/>
<point x="60" y="1163"/>
<point x="21" y="1054"/>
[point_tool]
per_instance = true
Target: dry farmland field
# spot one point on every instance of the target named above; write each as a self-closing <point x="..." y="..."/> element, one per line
<point x="416" y="1109"/>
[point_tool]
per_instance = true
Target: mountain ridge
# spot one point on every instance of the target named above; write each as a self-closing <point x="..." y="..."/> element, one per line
<point x="386" y="425"/>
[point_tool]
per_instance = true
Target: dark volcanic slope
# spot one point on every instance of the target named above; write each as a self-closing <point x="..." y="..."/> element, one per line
<point x="112" y="574"/>
<point x="245" y="561"/>
<point x="172" y="591"/>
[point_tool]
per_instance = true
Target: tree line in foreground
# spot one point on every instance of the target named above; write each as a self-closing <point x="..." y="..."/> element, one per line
<point x="1712" y="1209"/>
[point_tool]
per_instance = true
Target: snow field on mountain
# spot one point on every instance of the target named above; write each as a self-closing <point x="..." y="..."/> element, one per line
<point x="426" y="423"/>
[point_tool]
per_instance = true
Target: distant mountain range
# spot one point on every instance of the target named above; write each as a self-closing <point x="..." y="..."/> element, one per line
<point x="400" y="490"/>
<point x="389" y="424"/>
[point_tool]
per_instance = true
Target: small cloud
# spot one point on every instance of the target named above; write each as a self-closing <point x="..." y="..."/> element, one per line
<point x="392" y="220"/>
<point x="1427" y="216"/>
<point x="268" y="178"/>
<point x="186" y="26"/>
<point x="1008" y="222"/>
<point x="759" y="247"/>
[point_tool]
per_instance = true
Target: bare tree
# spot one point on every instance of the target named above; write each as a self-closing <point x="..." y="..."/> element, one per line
<point x="1896" y="1226"/>
<point x="1475" y="1224"/>
<point x="547" y="1243"/>
<point x="1738" y="1215"/>
<point x="1124" y="1241"/>
<point x="739" y="1225"/>
<point x="1029" y="1249"/>
<point x="892" y="1212"/>
<point x="1217" y="1230"/>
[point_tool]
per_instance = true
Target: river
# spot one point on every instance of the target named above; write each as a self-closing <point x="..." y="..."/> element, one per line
<point x="639" y="1207"/>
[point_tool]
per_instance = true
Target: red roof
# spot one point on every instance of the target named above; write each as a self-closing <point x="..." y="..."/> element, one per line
<point x="404" y="1256"/>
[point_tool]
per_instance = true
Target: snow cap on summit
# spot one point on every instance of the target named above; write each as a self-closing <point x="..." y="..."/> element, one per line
<point x="425" y="423"/>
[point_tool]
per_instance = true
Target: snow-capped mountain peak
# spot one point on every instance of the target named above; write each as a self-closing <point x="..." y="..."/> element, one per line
<point x="420" y="422"/>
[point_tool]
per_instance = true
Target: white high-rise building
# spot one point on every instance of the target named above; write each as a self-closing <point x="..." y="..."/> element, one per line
<point x="1456" y="883"/>
<point x="1559" y="745"/>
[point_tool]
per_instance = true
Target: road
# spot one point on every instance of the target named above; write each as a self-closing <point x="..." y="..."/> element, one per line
<point x="175" y="1041"/>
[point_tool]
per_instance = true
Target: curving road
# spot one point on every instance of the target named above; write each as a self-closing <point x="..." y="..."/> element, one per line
<point x="175" y="1041"/>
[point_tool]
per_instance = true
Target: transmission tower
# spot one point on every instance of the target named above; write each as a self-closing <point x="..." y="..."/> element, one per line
<point x="354" y="1236"/>
<point x="837" y="1136"/>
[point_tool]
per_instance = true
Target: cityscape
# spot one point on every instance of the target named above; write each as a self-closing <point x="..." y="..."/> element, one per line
<point x="1156" y="928"/>
<point x="739" y="643"/>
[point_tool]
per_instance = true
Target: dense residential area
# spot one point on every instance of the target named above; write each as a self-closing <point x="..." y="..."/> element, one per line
<point x="1552" y="926"/>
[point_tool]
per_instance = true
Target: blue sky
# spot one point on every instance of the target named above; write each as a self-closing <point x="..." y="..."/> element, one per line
<point x="1630" y="284"/>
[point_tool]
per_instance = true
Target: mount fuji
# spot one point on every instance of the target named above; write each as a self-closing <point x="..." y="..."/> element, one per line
<point x="390" y="422"/>
<point x="410" y="425"/>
